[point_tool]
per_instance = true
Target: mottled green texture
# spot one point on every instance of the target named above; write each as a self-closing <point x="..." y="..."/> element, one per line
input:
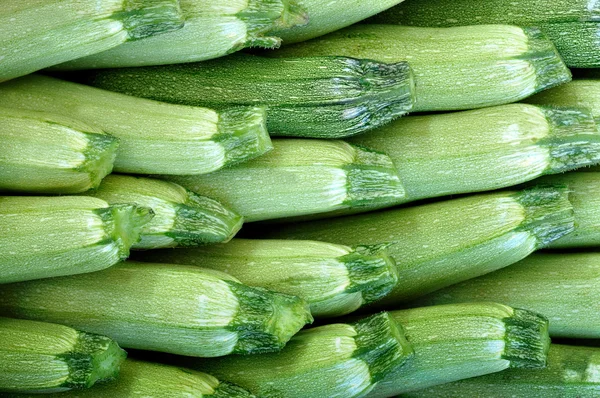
<point x="455" y="342"/>
<point x="334" y="361"/>
<point x="334" y="279"/>
<point x="455" y="68"/>
<point x="181" y="217"/>
<point x="485" y="149"/>
<point x="43" y="237"/>
<point x="36" y="34"/>
<point x="322" y="97"/>
<point x="583" y="93"/>
<point x="172" y="308"/>
<point x="154" y="137"/>
<point x="572" y="25"/>
<point x="48" y="153"/>
<point x="213" y="28"/>
<point x="439" y="244"/>
<point x="45" y="357"/>
<point x="572" y="372"/>
<point x="302" y="177"/>
<point x="561" y="286"/>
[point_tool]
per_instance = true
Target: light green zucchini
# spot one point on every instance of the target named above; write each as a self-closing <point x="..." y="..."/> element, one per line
<point x="213" y="28"/>
<point x="572" y="372"/>
<point x="48" y="153"/>
<point x="181" y="218"/>
<point x="583" y="93"/>
<point x="485" y="149"/>
<point x="321" y="97"/>
<point x="561" y="286"/>
<point x="38" y="357"/>
<point x="302" y="177"/>
<point x="161" y="307"/>
<point x="153" y="137"/>
<point x="455" y="68"/>
<point x="43" y="237"/>
<point x="35" y="34"/>
<point x="336" y="361"/>
<point x="334" y="279"/>
<point x="440" y="244"/>
<point x="454" y="342"/>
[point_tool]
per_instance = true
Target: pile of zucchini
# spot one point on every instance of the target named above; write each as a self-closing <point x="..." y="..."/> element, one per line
<point x="199" y="181"/>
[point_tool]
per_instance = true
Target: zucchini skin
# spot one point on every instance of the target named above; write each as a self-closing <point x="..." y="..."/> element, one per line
<point x="319" y="97"/>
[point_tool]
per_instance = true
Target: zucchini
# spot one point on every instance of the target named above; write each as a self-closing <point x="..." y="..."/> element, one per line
<point x="43" y="237"/>
<point x="161" y="307"/>
<point x="213" y="28"/>
<point x="153" y="137"/>
<point x="38" y="357"/>
<point x="485" y="149"/>
<point x="336" y="361"/>
<point x="48" y="153"/>
<point x="571" y="372"/>
<point x="35" y="34"/>
<point x="455" y="68"/>
<point x="181" y="218"/>
<point x="580" y="92"/>
<point x="454" y="342"/>
<point x="147" y="379"/>
<point x="321" y="97"/>
<point x="572" y="25"/>
<point x="561" y="286"/>
<point x="440" y="244"/>
<point x="334" y="279"/>
<point x="302" y="177"/>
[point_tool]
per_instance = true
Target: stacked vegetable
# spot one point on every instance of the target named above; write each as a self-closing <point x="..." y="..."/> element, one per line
<point x="145" y="205"/>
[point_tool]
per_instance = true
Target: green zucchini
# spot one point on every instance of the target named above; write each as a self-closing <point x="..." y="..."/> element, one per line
<point x="321" y="97"/>
<point x="561" y="286"/>
<point x="48" y="153"/>
<point x="302" y="177"/>
<point x="454" y="342"/>
<point x="440" y="244"/>
<point x="334" y="279"/>
<point x="572" y="25"/>
<point x="485" y="149"/>
<point x="455" y="68"/>
<point x="43" y="237"/>
<point x="572" y="372"/>
<point x="181" y="218"/>
<point x="147" y="379"/>
<point x="38" y="357"/>
<point x="213" y="28"/>
<point x="153" y="137"/>
<point x="335" y="361"/>
<point x="161" y="307"/>
<point x="580" y="92"/>
<point x="36" y="34"/>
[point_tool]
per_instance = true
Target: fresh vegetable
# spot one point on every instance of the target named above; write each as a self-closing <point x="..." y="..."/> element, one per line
<point x="454" y="342"/>
<point x="571" y="372"/>
<point x="43" y="237"/>
<point x="455" y="68"/>
<point x="334" y="279"/>
<point x="583" y="93"/>
<point x="485" y="149"/>
<point x="301" y="177"/>
<point x="161" y="307"/>
<point x="213" y="28"/>
<point x="336" y="361"/>
<point x="440" y="244"/>
<point x="322" y="97"/>
<point x="154" y="137"/>
<point x="44" y="357"/>
<point x="35" y="34"/>
<point x="48" y="153"/>
<point x="561" y="286"/>
<point x="147" y="379"/>
<point x="181" y="218"/>
<point x="571" y="24"/>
